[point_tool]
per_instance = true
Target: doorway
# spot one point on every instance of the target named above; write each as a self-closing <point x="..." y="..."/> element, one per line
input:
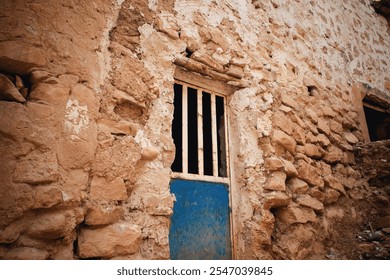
<point x="200" y="224"/>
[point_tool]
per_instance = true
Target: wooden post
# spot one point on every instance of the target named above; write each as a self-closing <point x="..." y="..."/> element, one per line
<point x="214" y="138"/>
<point x="185" y="129"/>
<point x="200" y="132"/>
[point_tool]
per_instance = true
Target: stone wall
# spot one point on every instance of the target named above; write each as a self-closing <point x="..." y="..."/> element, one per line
<point x="87" y="105"/>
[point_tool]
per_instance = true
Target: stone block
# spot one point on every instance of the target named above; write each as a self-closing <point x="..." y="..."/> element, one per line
<point x="320" y="139"/>
<point x="336" y="127"/>
<point x="309" y="173"/>
<point x="312" y="151"/>
<point x="275" y="199"/>
<point x="331" y="196"/>
<point x="235" y="71"/>
<point x="268" y="149"/>
<point x="76" y="152"/>
<point x="102" y="190"/>
<point x="10" y="234"/>
<point x="64" y="252"/>
<point x="326" y="169"/>
<point x="294" y="214"/>
<point x="50" y="94"/>
<point x="333" y="155"/>
<point x="190" y="35"/>
<point x="18" y="57"/>
<point x="202" y="57"/>
<point x="276" y="181"/>
<point x="283" y="122"/>
<point x="297" y="186"/>
<point x="317" y="193"/>
<point x="311" y="115"/>
<point x="113" y="240"/>
<point x="69" y="80"/>
<point x="149" y="153"/>
<point x="218" y="37"/>
<point x="334" y="183"/>
<point x="8" y="90"/>
<point x="273" y="164"/>
<point x="116" y="128"/>
<point x="38" y="76"/>
<point x="312" y="127"/>
<point x="52" y="225"/>
<point x="137" y="90"/>
<point x="288" y="100"/>
<point x="37" y="168"/>
<point x="289" y="168"/>
<point x="26" y="253"/>
<point x="351" y="138"/>
<point x="222" y="58"/>
<point x="123" y="97"/>
<point x="47" y="196"/>
<point x="299" y="135"/>
<point x="166" y="23"/>
<point x="284" y="140"/>
<point x="328" y="112"/>
<point x="311" y="202"/>
<point x="104" y="215"/>
<point x="323" y="126"/>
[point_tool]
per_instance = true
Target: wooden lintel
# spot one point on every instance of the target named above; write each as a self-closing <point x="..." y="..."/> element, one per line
<point x="204" y="77"/>
<point x="200" y="81"/>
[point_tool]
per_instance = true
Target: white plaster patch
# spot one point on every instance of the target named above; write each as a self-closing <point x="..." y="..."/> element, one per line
<point x="141" y="139"/>
<point x="264" y="125"/>
<point x="267" y="99"/>
<point x="153" y="5"/>
<point x="76" y="116"/>
<point x="242" y="99"/>
<point x="65" y="196"/>
<point x="146" y="30"/>
<point x="187" y="8"/>
<point x="250" y="152"/>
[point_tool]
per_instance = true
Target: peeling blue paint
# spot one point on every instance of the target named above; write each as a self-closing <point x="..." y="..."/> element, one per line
<point x="200" y="224"/>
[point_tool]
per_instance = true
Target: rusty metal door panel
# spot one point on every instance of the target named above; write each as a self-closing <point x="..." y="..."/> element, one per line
<point x="200" y="224"/>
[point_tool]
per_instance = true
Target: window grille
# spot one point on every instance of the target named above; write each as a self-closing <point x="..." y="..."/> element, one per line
<point x="199" y="131"/>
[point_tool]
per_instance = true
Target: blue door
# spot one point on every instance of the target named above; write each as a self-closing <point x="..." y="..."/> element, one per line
<point x="200" y="224"/>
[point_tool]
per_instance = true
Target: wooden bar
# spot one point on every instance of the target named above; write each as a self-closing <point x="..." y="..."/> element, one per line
<point x="196" y="177"/>
<point x="225" y="120"/>
<point x="214" y="138"/>
<point x="200" y="133"/>
<point x="185" y="129"/>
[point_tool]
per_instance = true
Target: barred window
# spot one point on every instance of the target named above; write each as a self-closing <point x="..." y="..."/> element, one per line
<point x="199" y="131"/>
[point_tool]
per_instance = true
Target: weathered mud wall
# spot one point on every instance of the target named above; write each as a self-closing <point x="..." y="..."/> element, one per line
<point x="87" y="107"/>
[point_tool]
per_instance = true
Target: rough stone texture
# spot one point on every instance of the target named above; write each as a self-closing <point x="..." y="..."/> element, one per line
<point x="119" y="239"/>
<point x="19" y="58"/>
<point x="103" y="215"/>
<point x="309" y="173"/>
<point x="8" y="90"/>
<point x="26" y="253"/>
<point x="308" y="201"/>
<point x="276" y="182"/>
<point x="102" y="190"/>
<point x="284" y="140"/>
<point x="47" y="196"/>
<point x="294" y="214"/>
<point x="52" y="225"/>
<point x="297" y="186"/>
<point x="86" y="113"/>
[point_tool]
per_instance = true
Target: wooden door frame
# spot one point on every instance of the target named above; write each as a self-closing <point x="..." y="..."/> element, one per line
<point x="198" y="81"/>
